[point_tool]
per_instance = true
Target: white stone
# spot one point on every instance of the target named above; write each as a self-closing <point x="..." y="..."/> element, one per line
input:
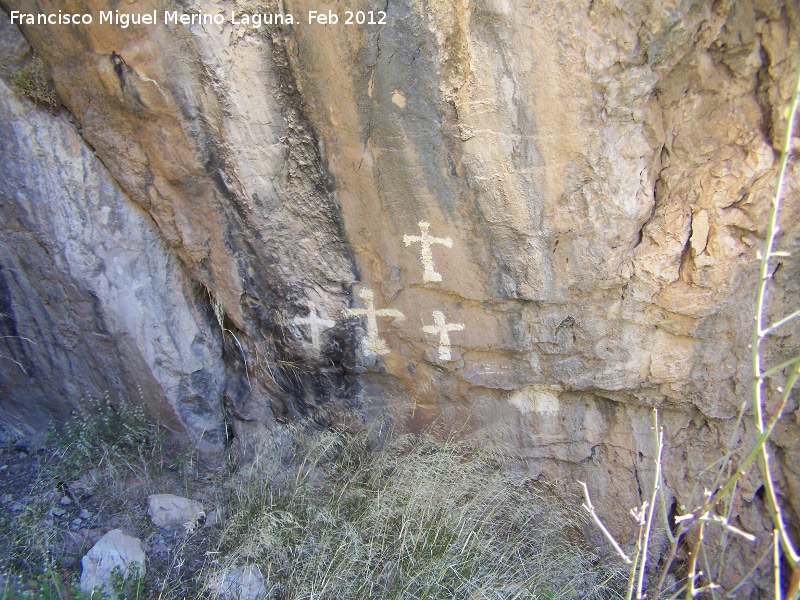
<point x="114" y="550"/>
<point x="173" y="512"/>
<point x="239" y="583"/>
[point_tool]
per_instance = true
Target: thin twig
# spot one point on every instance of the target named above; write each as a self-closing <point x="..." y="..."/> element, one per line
<point x="776" y="562"/>
<point x="15" y="362"/>
<point x="749" y="574"/>
<point x="18" y="337"/>
<point x="780" y="323"/>
<point x="780" y="367"/>
<point x="673" y="552"/>
<point x="691" y="592"/>
<point x="703" y="510"/>
<point x="589" y="507"/>
<point x="758" y="335"/>
<point x="639" y="517"/>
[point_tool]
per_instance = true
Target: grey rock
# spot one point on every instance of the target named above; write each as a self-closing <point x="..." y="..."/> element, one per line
<point x="173" y="512"/>
<point x="239" y="583"/>
<point x="114" y="551"/>
<point x="89" y="288"/>
<point x="33" y="443"/>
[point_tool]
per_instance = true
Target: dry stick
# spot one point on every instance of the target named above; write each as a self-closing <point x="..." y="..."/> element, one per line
<point x="637" y="552"/>
<point x="725" y="463"/>
<point x="19" y="337"/>
<point x="782" y="322"/>
<point x="780" y="367"/>
<point x="673" y="552"/>
<point x="776" y="560"/>
<point x="760" y="332"/>
<point x="674" y="538"/>
<point x="589" y="507"/>
<point x="659" y="434"/>
<point x="725" y="525"/>
<point x="691" y="592"/>
<point x="749" y="574"/>
<point x="773" y="505"/>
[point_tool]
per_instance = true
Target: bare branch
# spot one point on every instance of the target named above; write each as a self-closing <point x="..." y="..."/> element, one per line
<point x="780" y="323"/>
<point x="589" y="507"/>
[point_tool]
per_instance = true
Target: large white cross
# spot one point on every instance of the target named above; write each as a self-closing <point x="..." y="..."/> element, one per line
<point x="315" y="324"/>
<point x="442" y="329"/>
<point x="374" y="343"/>
<point x="426" y="255"/>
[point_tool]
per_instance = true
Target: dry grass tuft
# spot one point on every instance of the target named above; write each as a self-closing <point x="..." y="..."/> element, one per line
<point x="329" y="515"/>
<point x="32" y="82"/>
<point x="321" y="513"/>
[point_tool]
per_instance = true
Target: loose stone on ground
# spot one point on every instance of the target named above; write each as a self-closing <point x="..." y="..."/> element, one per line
<point x="115" y="550"/>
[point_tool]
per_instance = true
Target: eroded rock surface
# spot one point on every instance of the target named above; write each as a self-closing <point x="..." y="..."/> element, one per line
<point x="93" y="299"/>
<point x="554" y="210"/>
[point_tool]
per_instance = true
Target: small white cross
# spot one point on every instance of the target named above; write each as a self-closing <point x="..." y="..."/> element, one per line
<point x="374" y="343"/>
<point x="442" y="329"/>
<point x="426" y="255"/>
<point x="315" y="324"/>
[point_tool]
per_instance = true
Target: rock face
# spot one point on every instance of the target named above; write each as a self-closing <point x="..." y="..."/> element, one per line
<point x="92" y="297"/>
<point x="545" y="216"/>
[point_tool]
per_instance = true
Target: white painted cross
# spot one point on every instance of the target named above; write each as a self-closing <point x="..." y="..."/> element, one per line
<point x="374" y="343"/>
<point x="442" y="329"/>
<point x="315" y="324"/>
<point x="425" y="240"/>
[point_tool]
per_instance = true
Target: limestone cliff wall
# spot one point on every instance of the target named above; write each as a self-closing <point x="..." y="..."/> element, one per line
<point x="597" y="176"/>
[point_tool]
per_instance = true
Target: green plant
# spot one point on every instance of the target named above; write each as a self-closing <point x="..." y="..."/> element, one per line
<point x="771" y="388"/>
<point x="102" y="429"/>
<point x="111" y="448"/>
<point x="331" y="515"/>
<point x="48" y="585"/>
<point x="34" y="563"/>
<point x="128" y="586"/>
<point x="32" y="82"/>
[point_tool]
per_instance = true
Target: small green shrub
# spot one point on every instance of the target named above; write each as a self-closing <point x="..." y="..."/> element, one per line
<point x="48" y="585"/>
<point x="32" y="82"/>
<point x="115" y="443"/>
<point x="128" y="586"/>
<point x="99" y="430"/>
